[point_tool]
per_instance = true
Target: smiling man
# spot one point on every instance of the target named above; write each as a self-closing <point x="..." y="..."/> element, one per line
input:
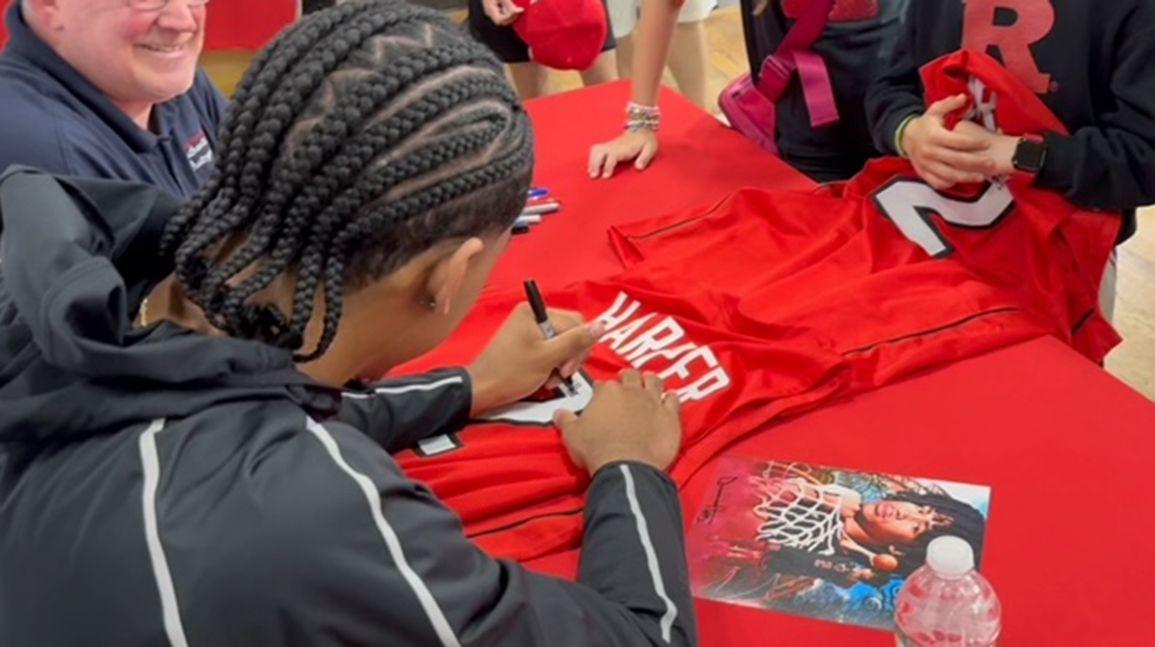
<point x="111" y="89"/>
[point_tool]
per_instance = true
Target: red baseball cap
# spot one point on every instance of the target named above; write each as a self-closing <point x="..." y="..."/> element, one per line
<point x="563" y="34"/>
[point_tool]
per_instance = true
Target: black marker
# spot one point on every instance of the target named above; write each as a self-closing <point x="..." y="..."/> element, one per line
<point x="541" y="316"/>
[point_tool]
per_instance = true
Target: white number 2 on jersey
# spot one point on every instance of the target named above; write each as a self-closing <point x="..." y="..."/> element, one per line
<point x="910" y="204"/>
<point x="541" y="413"/>
<point x="527" y="412"/>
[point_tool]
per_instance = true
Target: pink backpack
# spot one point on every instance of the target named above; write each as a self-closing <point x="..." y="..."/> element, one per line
<point x="750" y="107"/>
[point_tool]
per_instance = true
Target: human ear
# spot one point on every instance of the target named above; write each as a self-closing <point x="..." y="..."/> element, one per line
<point x="449" y="273"/>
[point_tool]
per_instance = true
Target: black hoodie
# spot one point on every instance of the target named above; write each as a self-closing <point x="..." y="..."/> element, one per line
<point x="1093" y="64"/>
<point x="159" y="486"/>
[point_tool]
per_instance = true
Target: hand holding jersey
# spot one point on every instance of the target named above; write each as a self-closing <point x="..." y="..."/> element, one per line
<point x="1088" y="62"/>
<point x="943" y="157"/>
<point x="1000" y="148"/>
<point x="630" y="419"/>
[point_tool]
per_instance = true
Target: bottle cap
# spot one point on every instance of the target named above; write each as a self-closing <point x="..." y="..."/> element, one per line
<point x="950" y="556"/>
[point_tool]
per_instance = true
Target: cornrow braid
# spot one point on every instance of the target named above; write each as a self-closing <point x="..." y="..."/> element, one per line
<point x="365" y="134"/>
<point x="317" y="148"/>
<point x="295" y="64"/>
<point x="243" y="112"/>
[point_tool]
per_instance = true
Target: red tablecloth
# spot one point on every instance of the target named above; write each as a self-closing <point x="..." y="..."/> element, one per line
<point x="701" y="161"/>
<point x="1065" y="447"/>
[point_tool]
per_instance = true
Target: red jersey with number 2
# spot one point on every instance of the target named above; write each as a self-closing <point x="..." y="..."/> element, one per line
<point x="892" y="273"/>
<point x="772" y="302"/>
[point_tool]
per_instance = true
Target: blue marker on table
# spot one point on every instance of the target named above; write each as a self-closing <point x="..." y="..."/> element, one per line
<point x="541" y="316"/>
<point x="537" y="193"/>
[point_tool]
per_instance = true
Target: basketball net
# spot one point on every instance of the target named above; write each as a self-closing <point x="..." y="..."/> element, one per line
<point x="797" y="512"/>
<point x="801" y="507"/>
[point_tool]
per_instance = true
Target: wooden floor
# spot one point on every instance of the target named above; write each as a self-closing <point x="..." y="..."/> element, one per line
<point x="1133" y="361"/>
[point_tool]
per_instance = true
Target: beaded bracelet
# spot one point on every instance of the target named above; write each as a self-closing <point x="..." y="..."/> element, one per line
<point x="639" y="117"/>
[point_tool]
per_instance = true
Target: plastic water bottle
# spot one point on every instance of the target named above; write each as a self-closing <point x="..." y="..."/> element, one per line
<point x="946" y="602"/>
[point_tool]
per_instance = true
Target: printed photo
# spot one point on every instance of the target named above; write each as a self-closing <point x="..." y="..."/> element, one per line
<point x="823" y="542"/>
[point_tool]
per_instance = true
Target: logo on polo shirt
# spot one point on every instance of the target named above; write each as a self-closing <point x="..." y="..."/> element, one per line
<point x="199" y="153"/>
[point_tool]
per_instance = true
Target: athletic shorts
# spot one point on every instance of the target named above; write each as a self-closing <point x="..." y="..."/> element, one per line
<point x="624" y="14"/>
<point x="505" y="42"/>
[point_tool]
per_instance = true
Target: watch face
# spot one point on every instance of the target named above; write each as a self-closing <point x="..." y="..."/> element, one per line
<point x="1029" y="155"/>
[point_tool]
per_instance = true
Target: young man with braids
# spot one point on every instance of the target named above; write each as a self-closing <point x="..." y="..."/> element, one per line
<point x="199" y="475"/>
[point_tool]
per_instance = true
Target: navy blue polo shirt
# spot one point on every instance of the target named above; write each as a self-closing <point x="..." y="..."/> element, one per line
<point x="54" y="119"/>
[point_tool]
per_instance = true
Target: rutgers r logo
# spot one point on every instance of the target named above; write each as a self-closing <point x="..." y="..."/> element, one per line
<point x="1010" y="27"/>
